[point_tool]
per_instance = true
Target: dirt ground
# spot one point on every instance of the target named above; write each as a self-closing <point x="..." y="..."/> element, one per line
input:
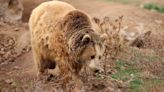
<point x="134" y="70"/>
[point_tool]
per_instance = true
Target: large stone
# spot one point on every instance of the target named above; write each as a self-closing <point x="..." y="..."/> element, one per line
<point x="11" y="11"/>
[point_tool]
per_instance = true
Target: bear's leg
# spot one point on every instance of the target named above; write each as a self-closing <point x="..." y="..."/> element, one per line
<point x="50" y="64"/>
<point x="40" y="64"/>
<point x="65" y="72"/>
<point x="68" y="72"/>
<point x="42" y="70"/>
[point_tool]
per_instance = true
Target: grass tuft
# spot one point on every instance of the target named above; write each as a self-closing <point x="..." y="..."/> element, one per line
<point x="136" y="85"/>
<point x="123" y="1"/>
<point x="124" y="71"/>
<point x="153" y="6"/>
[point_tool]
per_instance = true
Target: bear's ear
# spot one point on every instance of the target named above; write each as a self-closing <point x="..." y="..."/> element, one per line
<point x="78" y="43"/>
<point x="75" y="20"/>
<point x="86" y="39"/>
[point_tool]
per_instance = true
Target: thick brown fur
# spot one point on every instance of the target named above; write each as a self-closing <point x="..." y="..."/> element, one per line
<point x="62" y="36"/>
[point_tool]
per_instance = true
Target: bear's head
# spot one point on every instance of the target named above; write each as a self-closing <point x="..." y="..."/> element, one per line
<point x="88" y="47"/>
<point x="85" y="44"/>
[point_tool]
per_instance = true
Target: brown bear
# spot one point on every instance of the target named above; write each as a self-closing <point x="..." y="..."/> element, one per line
<point x="65" y="37"/>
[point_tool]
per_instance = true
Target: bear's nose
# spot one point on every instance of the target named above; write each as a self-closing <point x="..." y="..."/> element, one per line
<point x="96" y="71"/>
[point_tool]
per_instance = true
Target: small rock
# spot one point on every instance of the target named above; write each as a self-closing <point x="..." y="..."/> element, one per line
<point x="13" y="83"/>
<point x="16" y="29"/>
<point x="2" y="49"/>
<point x="141" y="6"/>
<point x="5" y="63"/>
<point x="159" y="21"/>
<point x="109" y="89"/>
<point x="7" y="54"/>
<point x="2" y="52"/>
<point x="132" y="75"/>
<point x="26" y="49"/>
<point x="16" y="67"/>
<point x="9" y="81"/>
<point x="119" y="90"/>
<point x="9" y="73"/>
<point x="11" y="60"/>
<point x="2" y="24"/>
<point x="11" y="42"/>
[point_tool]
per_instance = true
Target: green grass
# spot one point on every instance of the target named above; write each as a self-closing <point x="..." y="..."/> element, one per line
<point x="149" y="6"/>
<point x="147" y="58"/>
<point x="121" y="1"/>
<point x="140" y="56"/>
<point x="98" y="76"/>
<point x="126" y="72"/>
<point x="133" y="2"/>
<point x="153" y="6"/>
<point x="152" y="84"/>
<point x="130" y="71"/>
<point x="136" y="85"/>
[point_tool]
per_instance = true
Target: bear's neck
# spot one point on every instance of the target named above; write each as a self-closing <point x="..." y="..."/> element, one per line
<point x="69" y="34"/>
<point x="74" y="23"/>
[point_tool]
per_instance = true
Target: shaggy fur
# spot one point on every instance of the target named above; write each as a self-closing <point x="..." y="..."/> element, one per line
<point x="62" y="35"/>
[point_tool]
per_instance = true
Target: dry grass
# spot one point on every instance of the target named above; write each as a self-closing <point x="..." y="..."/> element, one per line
<point x="135" y="64"/>
<point x="114" y="41"/>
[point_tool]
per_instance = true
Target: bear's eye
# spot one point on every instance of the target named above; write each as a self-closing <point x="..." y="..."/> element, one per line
<point x="92" y="57"/>
<point x="99" y="57"/>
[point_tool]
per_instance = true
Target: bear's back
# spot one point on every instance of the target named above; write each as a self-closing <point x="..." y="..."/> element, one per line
<point x="48" y="13"/>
